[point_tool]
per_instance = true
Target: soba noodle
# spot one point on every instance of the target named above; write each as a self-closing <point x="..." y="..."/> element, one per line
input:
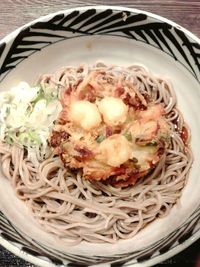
<point x="76" y="209"/>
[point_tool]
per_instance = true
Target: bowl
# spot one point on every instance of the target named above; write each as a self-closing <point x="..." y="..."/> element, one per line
<point x="121" y="36"/>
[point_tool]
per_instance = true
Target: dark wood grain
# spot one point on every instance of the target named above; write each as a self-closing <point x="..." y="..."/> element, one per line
<point x="15" y="13"/>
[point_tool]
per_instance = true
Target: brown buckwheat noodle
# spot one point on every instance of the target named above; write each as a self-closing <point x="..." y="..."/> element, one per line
<point x="76" y="209"/>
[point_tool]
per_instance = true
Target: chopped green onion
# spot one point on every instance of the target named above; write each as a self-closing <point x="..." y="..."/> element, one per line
<point x="152" y="143"/>
<point x="34" y="137"/>
<point x="7" y="111"/>
<point x="100" y="138"/>
<point x="40" y="96"/>
<point x="29" y="138"/>
<point x="144" y="142"/>
<point x="128" y="136"/>
<point x="46" y="93"/>
<point x="9" y="140"/>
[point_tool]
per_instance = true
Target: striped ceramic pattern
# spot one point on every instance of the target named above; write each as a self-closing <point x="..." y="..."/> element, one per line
<point x="93" y="21"/>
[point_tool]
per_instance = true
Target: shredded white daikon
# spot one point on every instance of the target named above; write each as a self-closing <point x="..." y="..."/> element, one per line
<point x="26" y="117"/>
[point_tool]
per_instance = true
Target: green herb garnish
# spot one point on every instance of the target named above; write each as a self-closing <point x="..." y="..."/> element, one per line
<point x="152" y="143"/>
<point x="128" y="136"/>
<point x="100" y="138"/>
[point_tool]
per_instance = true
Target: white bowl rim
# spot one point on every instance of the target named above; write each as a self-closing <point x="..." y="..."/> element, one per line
<point x="157" y="259"/>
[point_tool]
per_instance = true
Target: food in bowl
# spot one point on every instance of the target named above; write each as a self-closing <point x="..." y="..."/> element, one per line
<point x="97" y="152"/>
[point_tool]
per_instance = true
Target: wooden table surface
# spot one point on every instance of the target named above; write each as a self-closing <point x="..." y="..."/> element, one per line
<point x="15" y="13"/>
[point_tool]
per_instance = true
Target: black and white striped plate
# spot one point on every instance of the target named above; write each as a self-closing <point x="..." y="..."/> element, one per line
<point x="121" y="36"/>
